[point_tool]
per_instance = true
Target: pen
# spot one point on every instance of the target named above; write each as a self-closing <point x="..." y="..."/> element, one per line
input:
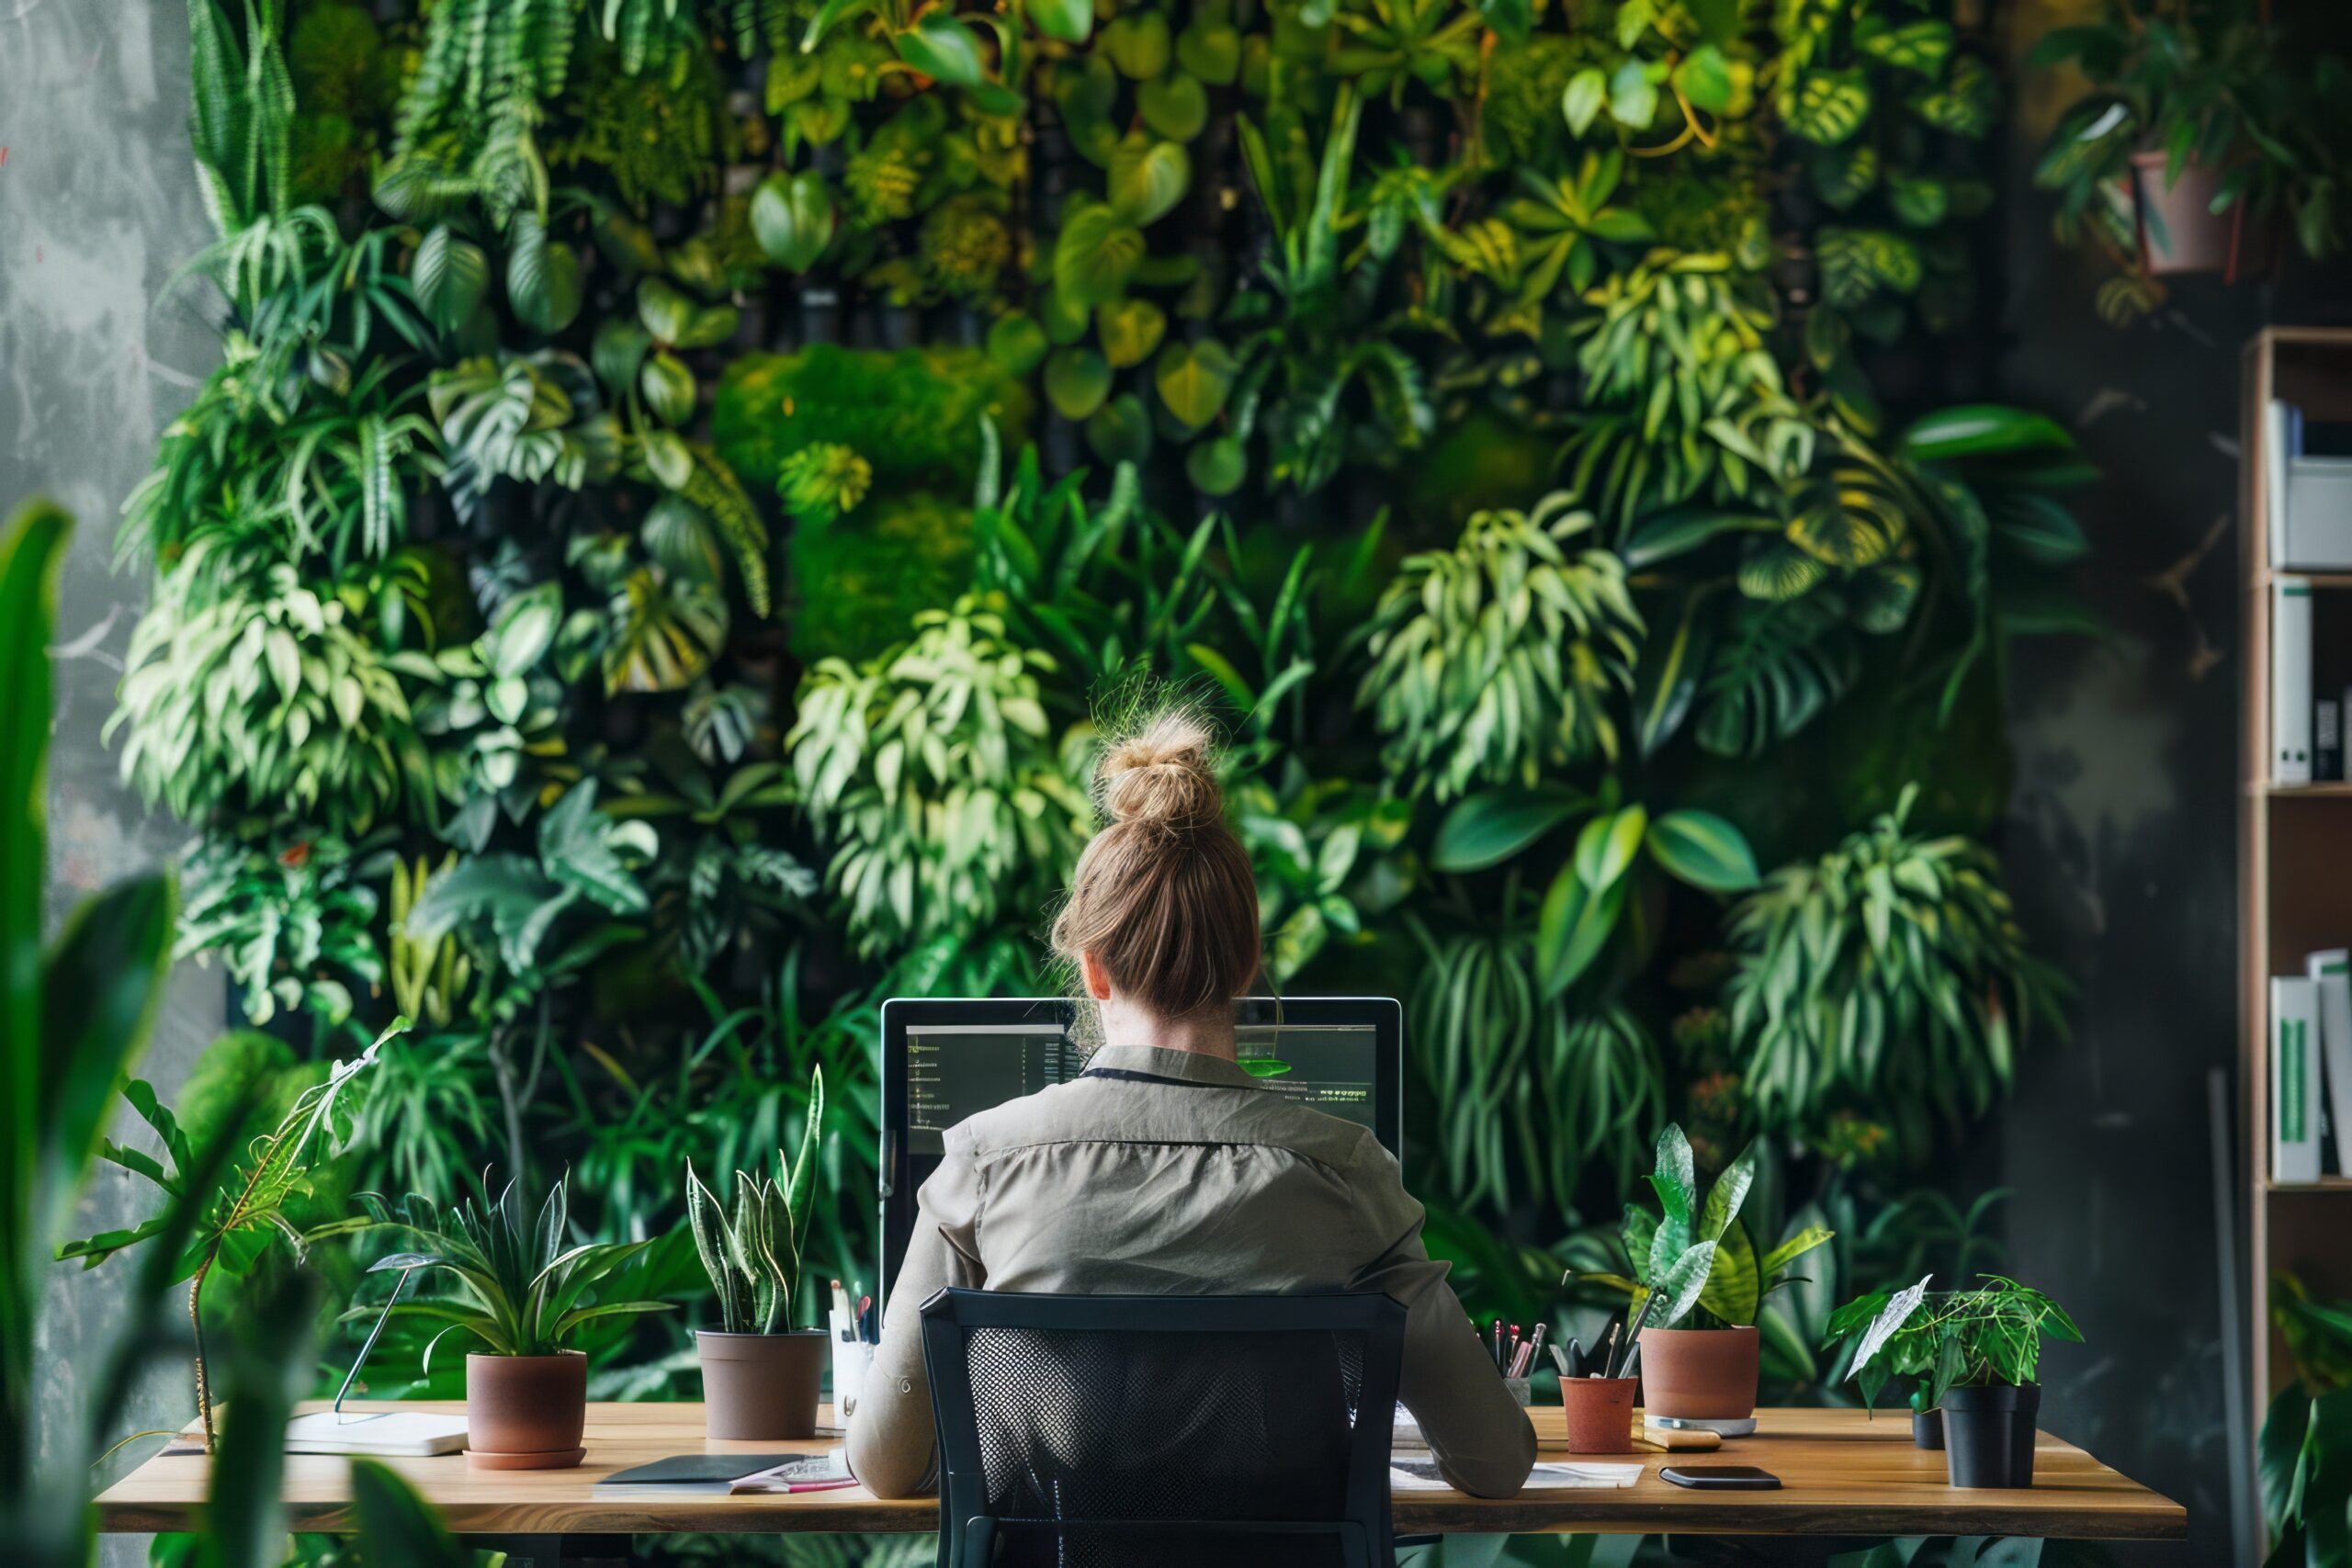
<point x="1606" y="1347"/>
<point x="1497" y="1333"/>
<point x="1534" y="1347"/>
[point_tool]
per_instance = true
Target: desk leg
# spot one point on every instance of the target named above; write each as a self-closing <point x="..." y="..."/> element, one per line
<point x="556" y="1551"/>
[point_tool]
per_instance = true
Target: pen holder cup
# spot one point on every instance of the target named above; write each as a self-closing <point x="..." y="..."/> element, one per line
<point x="1600" y="1414"/>
<point x="851" y="1359"/>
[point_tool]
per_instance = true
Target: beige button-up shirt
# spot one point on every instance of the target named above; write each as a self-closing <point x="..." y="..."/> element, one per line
<point x="1206" y="1186"/>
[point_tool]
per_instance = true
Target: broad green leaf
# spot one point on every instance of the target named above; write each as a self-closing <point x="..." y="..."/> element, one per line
<point x="1120" y="431"/>
<point x="792" y="218"/>
<point x="1069" y="21"/>
<point x="1982" y="429"/>
<point x="1491" y="827"/>
<point x="1703" y="850"/>
<point x="1830" y="106"/>
<point x="524" y="630"/>
<point x="1217" y="467"/>
<point x="1136" y="42"/>
<point x="1704" y="77"/>
<point x="542" y="277"/>
<point x="1726" y="1198"/>
<point x="1195" y="380"/>
<point x="1788" y="1251"/>
<point x="1582" y="100"/>
<point x="450" y="276"/>
<point x="1572" y="927"/>
<point x="1606" y="848"/>
<point x="1209" y="50"/>
<point x="941" y="47"/>
<point x="1095" y="255"/>
<point x="1632" y="96"/>
<point x="668" y="388"/>
<point x="1077" y="380"/>
<point x="1920" y="47"/>
<point x="1148" y="178"/>
<point x="1734" y="1288"/>
<point x="1678" y="1287"/>
<point x="1129" y="331"/>
<point x="1176" y="105"/>
<point x="1017" y="343"/>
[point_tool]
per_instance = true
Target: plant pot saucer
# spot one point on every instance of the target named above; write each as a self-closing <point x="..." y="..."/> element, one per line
<point x="554" y="1458"/>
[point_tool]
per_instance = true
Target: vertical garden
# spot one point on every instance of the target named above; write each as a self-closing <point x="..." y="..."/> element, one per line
<point x="688" y="481"/>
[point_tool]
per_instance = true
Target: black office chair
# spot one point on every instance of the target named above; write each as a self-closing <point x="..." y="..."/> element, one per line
<point x="1136" y="1431"/>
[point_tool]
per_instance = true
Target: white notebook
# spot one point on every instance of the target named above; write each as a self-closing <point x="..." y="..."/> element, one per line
<point x="392" y="1434"/>
<point x="1420" y="1475"/>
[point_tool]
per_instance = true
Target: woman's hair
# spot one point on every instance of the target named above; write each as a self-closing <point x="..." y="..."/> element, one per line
<point x="1164" y="896"/>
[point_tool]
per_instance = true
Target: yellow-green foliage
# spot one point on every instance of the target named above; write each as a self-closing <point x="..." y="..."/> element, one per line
<point x="915" y="414"/>
<point x="656" y="133"/>
<point x="858" y="579"/>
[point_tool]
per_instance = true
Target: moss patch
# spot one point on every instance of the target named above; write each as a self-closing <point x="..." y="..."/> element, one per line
<point x="858" y="580"/>
<point x="914" y="414"/>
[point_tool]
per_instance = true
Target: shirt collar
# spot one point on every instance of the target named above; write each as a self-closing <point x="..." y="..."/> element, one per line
<point x="1190" y="1067"/>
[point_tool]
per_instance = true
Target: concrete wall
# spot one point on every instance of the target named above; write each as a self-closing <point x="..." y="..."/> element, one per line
<point x="97" y="207"/>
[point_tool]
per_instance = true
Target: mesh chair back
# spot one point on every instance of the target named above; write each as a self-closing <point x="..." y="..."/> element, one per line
<point x="1135" y="1431"/>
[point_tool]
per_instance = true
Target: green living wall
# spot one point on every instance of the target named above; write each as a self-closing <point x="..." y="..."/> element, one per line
<point x="689" y="481"/>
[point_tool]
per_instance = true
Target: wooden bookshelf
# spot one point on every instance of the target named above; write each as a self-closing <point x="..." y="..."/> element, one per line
<point x="2295" y="870"/>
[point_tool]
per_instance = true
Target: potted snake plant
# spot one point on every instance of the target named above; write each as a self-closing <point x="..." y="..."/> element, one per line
<point x="759" y="1373"/>
<point x="1696" y="1285"/>
<point x="523" y="1289"/>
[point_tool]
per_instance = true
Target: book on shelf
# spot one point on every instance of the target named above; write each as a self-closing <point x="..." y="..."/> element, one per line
<point x="2294" y="1078"/>
<point x="2307" y="490"/>
<point x="2331" y="973"/>
<point x="2291" y="681"/>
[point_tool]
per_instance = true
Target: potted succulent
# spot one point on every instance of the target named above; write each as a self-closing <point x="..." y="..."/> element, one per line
<point x="1697" y="1284"/>
<point x="759" y="1373"/>
<point x="2205" y="126"/>
<point x="1983" y="1348"/>
<point x="522" y="1287"/>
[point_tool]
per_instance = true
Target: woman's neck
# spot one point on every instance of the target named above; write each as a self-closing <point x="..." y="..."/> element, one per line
<point x="1206" y="1034"/>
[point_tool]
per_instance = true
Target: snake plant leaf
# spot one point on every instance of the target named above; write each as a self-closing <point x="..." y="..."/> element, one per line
<point x="1703" y="850"/>
<point x="1733" y="1288"/>
<point x="1796" y="1246"/>
<point x="1678" y="1285"/>
<point x="1724" y="1198"/>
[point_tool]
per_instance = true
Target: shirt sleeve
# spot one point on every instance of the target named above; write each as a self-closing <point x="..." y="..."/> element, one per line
<point x="1481" y="1440"/>
<point x="892" y="1444"/>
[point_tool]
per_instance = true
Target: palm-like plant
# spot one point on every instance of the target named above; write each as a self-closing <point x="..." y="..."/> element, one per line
<point x="1890" y="978"/>
<point x="1498" y="658"/>
<point x="521" y="1286"/>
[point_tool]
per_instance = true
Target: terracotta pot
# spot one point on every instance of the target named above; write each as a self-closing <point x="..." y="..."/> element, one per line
<point x="2179" y="231"/>
<point x="760" y="1386"/>
<point x="526" y="1412"/>
<point x="1600" y="1414"/>
<point x="1700" y="1373"/>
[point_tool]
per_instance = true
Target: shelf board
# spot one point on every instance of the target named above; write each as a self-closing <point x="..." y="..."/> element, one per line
<point x="2265" y="576"/>
<point x="2330" y="789"/>
<point x="2324" y="1184"/>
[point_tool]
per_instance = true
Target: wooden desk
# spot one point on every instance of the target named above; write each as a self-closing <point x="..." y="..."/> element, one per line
<point x="1840" y="1473"/>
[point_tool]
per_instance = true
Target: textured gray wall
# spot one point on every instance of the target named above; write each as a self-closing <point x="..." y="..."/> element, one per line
<point x="97" y="207"/>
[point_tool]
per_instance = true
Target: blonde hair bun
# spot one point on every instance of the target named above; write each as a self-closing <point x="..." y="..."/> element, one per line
<point x="1163" y="776"/>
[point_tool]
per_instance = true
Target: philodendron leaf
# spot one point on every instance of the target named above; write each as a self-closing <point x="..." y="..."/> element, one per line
<point x="1677" y="1288"/>
<point x="669" y="389"/>
<point x="1129" y="331"/>
<point x="1572" y="927"/>
<point x="1137" y="44"/>
<point x="1176" y="105"/>
<point x="1701" y="849"/>
<point x="1218" y="468"/>
<point x="1017" y="343"/>
<point x="1193" y="380"/>
<point x="792" y="218"/>
<point x="1068" y="21"/>
<point x="941" y="47"/>
<point x="1582" y="100"/>
<point x="449" y="276"/>
<point x="1491" y="827"/>
<point x="1077" y="380"/>
<point x="1095" y="255"/>
<point x="1148" y="178"/>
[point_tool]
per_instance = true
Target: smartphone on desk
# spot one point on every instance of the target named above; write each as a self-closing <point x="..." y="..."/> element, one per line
<point x="1720" y="1477"/>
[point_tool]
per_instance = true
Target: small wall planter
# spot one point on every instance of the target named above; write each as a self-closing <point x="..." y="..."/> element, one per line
<point x="2179" y="231"/>
<point x="1700" y="1373"/>
<point x="760" y="1386"/>
<point x="526" y="1412"/>
<point x="1989" y="1433"/>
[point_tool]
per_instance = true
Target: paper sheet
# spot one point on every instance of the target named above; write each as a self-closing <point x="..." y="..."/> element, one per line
<point x="1420" y="1475"/>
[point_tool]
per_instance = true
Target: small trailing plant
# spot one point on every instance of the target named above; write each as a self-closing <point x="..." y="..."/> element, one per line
<point x="2305" y="1449"/>
<point x="755" y="1254"/>
<point x="1980" y="1338"/>
<point x="520" y="1286"/>
<point x="1696" y="1260"/>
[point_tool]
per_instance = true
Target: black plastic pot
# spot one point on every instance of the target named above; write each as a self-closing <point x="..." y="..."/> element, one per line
<point x="1988" y="1434"/>
<point x="1928" y="1430"/>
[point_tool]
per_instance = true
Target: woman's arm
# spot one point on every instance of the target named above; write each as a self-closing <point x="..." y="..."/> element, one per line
<point x="891" y="1440"/>
<point x="1481" y="1440"/>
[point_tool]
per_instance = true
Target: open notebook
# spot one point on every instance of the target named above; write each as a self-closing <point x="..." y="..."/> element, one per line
<point x="1420" y="1475"/>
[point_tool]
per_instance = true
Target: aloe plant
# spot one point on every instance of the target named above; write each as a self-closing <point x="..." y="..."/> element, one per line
<point x="754" y="1258"/>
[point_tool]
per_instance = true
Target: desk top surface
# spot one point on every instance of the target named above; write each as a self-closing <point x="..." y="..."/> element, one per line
<point x="1840" y="1472"/>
